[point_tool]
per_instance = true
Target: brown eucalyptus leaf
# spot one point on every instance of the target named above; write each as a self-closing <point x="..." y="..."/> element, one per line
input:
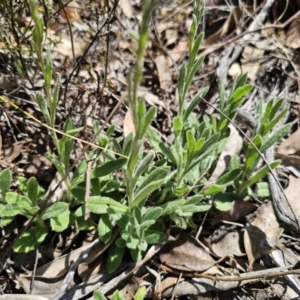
<point x="292" y="163"/>
<point x="13" y="152"/>
<point x="230" y="244"/>
<point x="291" y="146"/>
<point x="186" y="254"/>
<point x="168" y="282"/>
<point x="262" y="234"/>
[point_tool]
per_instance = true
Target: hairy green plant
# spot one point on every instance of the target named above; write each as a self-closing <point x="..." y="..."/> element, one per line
<point x="135" y="192"/>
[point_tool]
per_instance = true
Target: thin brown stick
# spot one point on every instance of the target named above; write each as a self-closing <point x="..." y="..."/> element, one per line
<point x="252" y="275"/>
<point x="213" y="48"/>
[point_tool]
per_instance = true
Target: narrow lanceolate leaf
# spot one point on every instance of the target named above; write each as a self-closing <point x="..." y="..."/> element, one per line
<point x="155" y="237"/>
<point x="229" y="177"/>
<point x="271" y="125"/>
<point x="196" y="46"/>
<point x="155" y="174"/>
<point x="267" y="111"/>
<point x="241" y="80"/>
<point x="214" y="189"/>
<point x="143" y="164"/>
<point x="193" y="72"/>
<point x="277" y="135"/>
<point x="181" y="84"/>
<point x="192" y="33"/>
<point x="48" y="70"/>
<point x="195" y="101"/>
<point x="171" y="206"/>
<point x="147" y="119"/>
<point x="146" y="191"/>
<point x="275" y="108"/>
<point x="152" y="213"/>
<point x="177" y="125"/>
<point x="168" y="153"/>
<point x="33" y="190"/>
<point x="102" y="205"/>
<point x="259" y="174"/>
<point x="190" y="141"/>
<point x="43" y="107"/>
<point x="241" y="92"/>
<point x="114" y="258"/>
<point x="105" y="228"/>
<point x="108" y="168"/>
<point x="55" y="210"/>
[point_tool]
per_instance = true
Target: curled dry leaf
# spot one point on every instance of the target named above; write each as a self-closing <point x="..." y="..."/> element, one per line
<point x="262" y="234"/>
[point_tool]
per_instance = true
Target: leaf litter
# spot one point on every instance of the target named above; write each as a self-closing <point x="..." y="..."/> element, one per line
<point x="259" y="239"/>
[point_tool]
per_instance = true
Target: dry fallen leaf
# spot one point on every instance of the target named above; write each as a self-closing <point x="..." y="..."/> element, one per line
<point x="163" y="71"/>
<point x="128" y="125"/>
<point x="292" y="193"/>
<point x="262" y="234"/>
<point x="291" y="146"/>
<point x="39" y="167"/>
<point x="126" y="8"/>
<point x="230" y="244"/>
<point x="186" y="254"/>
<point x="179" y="51"/>
<point x="293" y="34"/>
<point x="63" y="45"/>
<point x="12" y="153"/>
<point x="168" y="282"/>
<point x="292" y="163"/>
<point x="249" y="62"/>
<point x="238" y="209"/>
